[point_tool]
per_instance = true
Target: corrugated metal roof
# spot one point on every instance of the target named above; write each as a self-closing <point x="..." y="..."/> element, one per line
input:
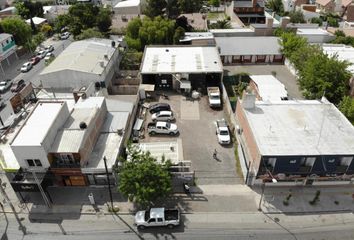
<point x="83" y="56"/>
<point x="68" y="141"/>
<point x="248" y="45"/>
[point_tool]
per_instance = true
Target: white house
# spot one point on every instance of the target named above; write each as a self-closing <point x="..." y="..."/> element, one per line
<point x="129" y="7"/>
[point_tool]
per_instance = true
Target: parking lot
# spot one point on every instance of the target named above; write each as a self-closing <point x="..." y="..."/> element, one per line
<point x="196" y="124"/>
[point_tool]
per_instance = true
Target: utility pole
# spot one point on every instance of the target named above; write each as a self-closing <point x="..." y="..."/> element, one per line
<point x="3" y="192"/>
<point x="109" y="183"/>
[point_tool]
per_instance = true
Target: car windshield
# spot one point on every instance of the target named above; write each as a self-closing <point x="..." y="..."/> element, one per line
<point x="2" y="83"/>
<point x="214" y="97"/>
<point x="147" y="216"/>
<point x="224" y="132"/>
<point x="168" y="125"/>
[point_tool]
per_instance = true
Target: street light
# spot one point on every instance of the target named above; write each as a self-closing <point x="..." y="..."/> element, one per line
<point x="263" y="187"/>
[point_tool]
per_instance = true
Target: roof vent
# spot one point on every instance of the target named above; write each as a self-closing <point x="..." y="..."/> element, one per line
<point x="113" y="43"/>
<point x="167" y="50"/>
<point x="83" y="125"/>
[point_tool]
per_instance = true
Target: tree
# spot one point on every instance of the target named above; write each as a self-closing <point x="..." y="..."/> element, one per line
<point x="297" y="17"/>
<point x="290" y="42"/>
<point x="179" y="33"/>
<point x="89" y="33"/>
<point x="346" y="106"/>
<point x="187" y="6"/>
<point x="325" y="75"/>
<point x="182" y="21"/>
<point x="143" y="180"/>
<point x="332" y="22"/>
<point x="28" y="9"/>
<point x="18" y="28"/>
<point x="155" y="8"/>
<point x="104" y="20"/>
<point x="131" y="60"/>
<point x="221" y="24"/>
<point x="61" y="21"/>
<point x="317" y="20"/>
<point x="276" y="6"/>
<point x="46" y="29"/>
<point x="22" y="10"/>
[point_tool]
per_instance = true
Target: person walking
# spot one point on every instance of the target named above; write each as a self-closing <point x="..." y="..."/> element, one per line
<point x="215" y="154"/>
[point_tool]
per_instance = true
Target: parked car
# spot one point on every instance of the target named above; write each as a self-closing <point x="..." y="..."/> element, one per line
<point x="222" y="131"/>
<point x="5" y="85"/>
<point x="162" y="128"/>
<point x="26" y="67"/>
<point x="18" y="86"/>
<point x="158" y="107"/>
<point x="35" y="60"/>
<point x="214" y="96"/>
<point x="157" y="217"/>
<point x="48" y="56"/>
<point x="163" y="116"/>
<point x="64" y="35"/>
<point x="49" y="48"/>
<point x="42" y="53"/>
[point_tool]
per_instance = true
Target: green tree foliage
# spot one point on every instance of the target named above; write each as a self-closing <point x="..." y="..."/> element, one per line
<point x="346" y="106"/>
<point x="143" y="180"/>
<point x="89" y="33"/>
<point x="149" y="31"/>
<point x="18" y="28"/>
<point x="179" y="33"/>
<point x="332" y="22"/>
<point x="104" y="20"/>
<point x="276" y="6"/>
<point x="318" y="73"/>
<point x="317" y="20"/>
<point x="46" y="29"/>
<point x="131" y="60"/>
<point x="84" y="16"/>
<point x="214" y="3"/>
<point x="221" y="24"/>
<point x="28" y="9"/>
<point x="297" y="17"/>
<point x="155" y="8"/>
<point x="187" y="6"/>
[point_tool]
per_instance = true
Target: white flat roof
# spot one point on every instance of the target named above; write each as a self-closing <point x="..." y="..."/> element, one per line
<point x="344" y="53"/>
<point x="127" y="3"/>
<point x="248" y="45"/>
<point x="35" y="128"/>
<point x="307" y="127"/>
<point x="36" y="20"/>
<point x="83" y="56"/>
<point x="312" y="31"/>
<point x="189" y="36"/>
<point x="181" y="59"/>
<point x="269" y="88"/>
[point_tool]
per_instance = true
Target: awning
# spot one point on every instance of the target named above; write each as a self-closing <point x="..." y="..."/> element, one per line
<point x="186" y="84"/>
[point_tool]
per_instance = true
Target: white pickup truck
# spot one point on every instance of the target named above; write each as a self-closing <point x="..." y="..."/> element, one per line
<point x="214" y="96"/>
<point x="162" y="128"/>
<point x="157" y="217"/>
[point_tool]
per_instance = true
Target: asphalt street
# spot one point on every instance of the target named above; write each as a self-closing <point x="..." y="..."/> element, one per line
<point x="195" y="226"/>
<point x="32" y="75"/>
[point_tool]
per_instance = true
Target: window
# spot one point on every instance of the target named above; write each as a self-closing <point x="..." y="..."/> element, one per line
<point x="159" y="220"/>
<point x="152" y="220"/>
<point x="345" y="161"/>
<point x="34" y="163"/>
<point x="67" y="158"/>
<point x="38" y="162"/>
<point x="30" y="162"/>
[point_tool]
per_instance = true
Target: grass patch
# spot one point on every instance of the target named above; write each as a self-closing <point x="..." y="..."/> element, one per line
<point x="216" y="16"/>
<point x="238" y="163"/>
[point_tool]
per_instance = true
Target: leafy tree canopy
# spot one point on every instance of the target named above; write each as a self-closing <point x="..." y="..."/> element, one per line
<point x="89" y="33"/>
<point x="297" y="17"/>
<point x="221" y="24"/>
<point x="18" y="28"/>
<point x="143" y="180"/>
<point x="28" y="9"/>
<point x="346" y="106"/>
<point x="276" y="6"/>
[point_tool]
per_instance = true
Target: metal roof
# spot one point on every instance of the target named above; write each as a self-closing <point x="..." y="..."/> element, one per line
<point x="307" y="127"/>
<point x="248" y="45"/>
<point x="90" y="56"/>
<point x="4" y="36"/>
<point x="269" y="88"/>
<point x="181" y="59"/>
<point x="127" y="3"/>
<point x="38" y="123"/>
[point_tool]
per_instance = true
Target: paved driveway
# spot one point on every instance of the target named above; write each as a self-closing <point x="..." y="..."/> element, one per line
<point x="195" y="121"/>
<point x="282" y="74"/>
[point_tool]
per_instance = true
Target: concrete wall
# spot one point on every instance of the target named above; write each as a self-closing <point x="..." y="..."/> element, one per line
<point x="6" y="113"/>
<point x="30" y="152"/>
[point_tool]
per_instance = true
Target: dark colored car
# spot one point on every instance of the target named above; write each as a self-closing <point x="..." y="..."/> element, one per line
<point x="18" y="86"/>
<point x="35" y="60"/>
<point x="159" y="107"/>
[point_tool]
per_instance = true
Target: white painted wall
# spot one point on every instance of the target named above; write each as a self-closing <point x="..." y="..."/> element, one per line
<point x="30" y="152"/>
<point x="6" y="112"/>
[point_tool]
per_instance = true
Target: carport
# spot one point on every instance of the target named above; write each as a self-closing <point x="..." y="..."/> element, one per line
<point x="175" y="67"/>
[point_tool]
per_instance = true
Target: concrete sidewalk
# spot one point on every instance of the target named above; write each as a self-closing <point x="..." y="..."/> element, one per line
<point x="331" y="199"/>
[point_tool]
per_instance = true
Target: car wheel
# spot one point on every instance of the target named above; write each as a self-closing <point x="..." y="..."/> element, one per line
<point x="141" y="227"/>
<point x="170" y="226"/>
<point x="152" y="133"/>
<point x="172" y="133"/>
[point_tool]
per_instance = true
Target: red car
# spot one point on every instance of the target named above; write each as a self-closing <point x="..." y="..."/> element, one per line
<point x="35" y="60"/>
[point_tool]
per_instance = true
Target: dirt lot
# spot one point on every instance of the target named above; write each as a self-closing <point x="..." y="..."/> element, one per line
<point x="196" y="123"/>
